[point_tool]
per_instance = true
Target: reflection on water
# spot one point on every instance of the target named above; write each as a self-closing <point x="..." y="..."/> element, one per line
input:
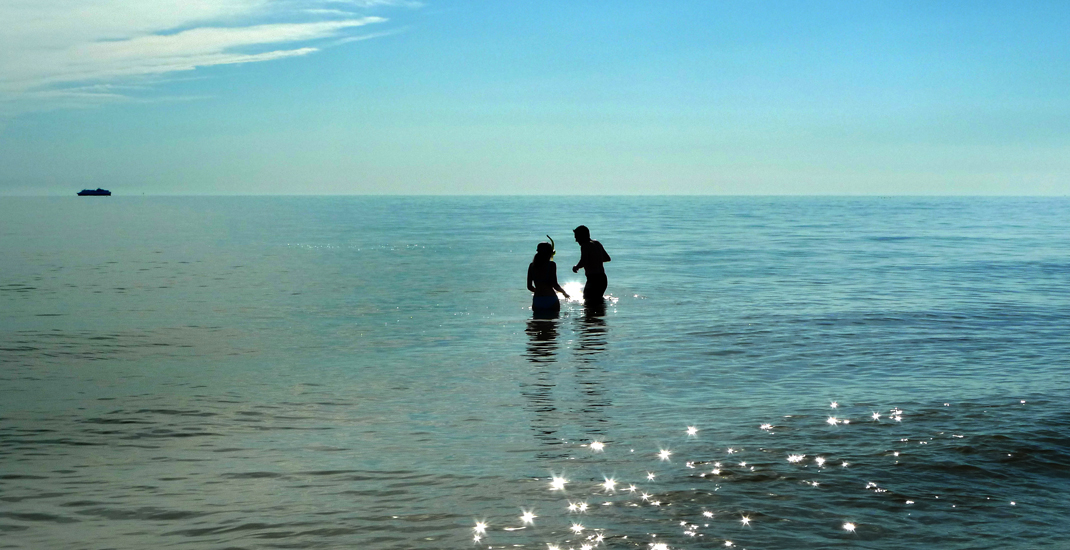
<point x="592" y="330"/>
<point x="542" y="352"/>
<point x="590" y="375"/>
<point x="542" y="338"/>
<point x="560" y="403"/>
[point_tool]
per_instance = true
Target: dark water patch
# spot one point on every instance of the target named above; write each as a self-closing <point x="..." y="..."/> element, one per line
<point x="60" y="442"/>
<point x="35" y="496"/>
<point x="80" y="503"/>
<point x="141" y="514"/>
<point x="6" y="528"/>
<point x="255" y="475"/>
<point x="37" y="517"/>
<point x="328" y="472"/>
<point x="117" y="421"/>
<point x="250" y="526"/>
<point x="176" y="412"/>
<point x="167" y="434"/>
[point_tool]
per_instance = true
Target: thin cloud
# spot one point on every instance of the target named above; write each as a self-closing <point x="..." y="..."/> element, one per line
<point x="52" y="51"/>
<point x="369" y="36"/>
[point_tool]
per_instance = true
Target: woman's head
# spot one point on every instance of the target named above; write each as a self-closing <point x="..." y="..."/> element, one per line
<point x="544" y="252"/>
<point x="582" y="234"/>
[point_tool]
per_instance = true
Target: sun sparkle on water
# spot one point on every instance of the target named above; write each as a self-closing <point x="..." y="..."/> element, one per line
<point x="574" y="290"/>
<point x="611" y="496"/>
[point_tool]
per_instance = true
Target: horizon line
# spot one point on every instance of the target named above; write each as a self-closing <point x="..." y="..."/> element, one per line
<point x="726" y="195"/>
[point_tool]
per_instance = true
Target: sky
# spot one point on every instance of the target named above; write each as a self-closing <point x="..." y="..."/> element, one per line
<point x="177" y="97"/>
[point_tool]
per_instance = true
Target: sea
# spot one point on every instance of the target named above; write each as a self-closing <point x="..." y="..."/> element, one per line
<point x="366" y="372"/>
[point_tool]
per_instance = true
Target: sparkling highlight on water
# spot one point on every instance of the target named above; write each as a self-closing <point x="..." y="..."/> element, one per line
<point x="693" y="517"/>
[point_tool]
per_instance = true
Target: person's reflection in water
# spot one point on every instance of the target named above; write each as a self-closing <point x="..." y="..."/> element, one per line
<point x="572" y="408"/>
<point x="542" y="352"/>
<point x="590" y="376"/>
<point x="592" y="329"/>
<point x="542" y="334"/>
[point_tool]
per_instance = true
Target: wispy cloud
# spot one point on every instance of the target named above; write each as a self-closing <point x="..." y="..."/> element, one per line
<point x="66" y="53"/>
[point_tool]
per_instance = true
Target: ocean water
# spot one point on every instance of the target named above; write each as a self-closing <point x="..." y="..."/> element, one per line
<point x="365" y="372"/>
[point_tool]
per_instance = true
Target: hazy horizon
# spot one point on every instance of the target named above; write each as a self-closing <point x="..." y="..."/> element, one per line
<point x="444" y="195"/>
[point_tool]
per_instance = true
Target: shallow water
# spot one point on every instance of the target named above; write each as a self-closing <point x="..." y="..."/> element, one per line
<point x="365" y="372"/>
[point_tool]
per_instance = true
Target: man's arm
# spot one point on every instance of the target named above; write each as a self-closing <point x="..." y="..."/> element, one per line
<point x="583" y="254"/>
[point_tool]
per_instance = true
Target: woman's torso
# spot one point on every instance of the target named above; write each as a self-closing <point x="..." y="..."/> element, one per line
<point x="544" y="277"/>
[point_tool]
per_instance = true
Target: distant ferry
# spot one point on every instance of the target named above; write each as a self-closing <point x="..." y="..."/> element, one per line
<point x="98" y="192"/>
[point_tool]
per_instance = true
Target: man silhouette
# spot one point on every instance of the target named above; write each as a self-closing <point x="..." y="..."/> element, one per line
<point x="592" y="256"/>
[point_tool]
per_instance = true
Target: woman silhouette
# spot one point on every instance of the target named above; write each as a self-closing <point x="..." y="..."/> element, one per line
<point x="542" y="279"/>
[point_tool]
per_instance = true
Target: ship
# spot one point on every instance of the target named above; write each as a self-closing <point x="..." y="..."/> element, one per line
<point x="98" y="192"/>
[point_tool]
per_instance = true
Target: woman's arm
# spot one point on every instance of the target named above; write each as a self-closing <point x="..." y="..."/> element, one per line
<point x="531" y="277"/>
<point x="557" y="287"/>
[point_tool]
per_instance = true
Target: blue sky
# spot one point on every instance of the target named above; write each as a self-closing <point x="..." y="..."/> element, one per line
<point x="515" y="97"/>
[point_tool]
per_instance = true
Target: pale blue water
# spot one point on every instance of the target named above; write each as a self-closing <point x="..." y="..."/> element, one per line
<point x="347" y="372"/>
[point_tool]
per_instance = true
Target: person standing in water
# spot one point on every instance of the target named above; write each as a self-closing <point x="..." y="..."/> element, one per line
<point x="592" y="256"/>
<point x="542" y="279"/>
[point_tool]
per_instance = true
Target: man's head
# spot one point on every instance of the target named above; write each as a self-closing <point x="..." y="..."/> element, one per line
<point x="582" y="234"/>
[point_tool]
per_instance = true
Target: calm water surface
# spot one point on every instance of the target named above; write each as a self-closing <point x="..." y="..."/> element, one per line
<point x="366" y="373"/>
